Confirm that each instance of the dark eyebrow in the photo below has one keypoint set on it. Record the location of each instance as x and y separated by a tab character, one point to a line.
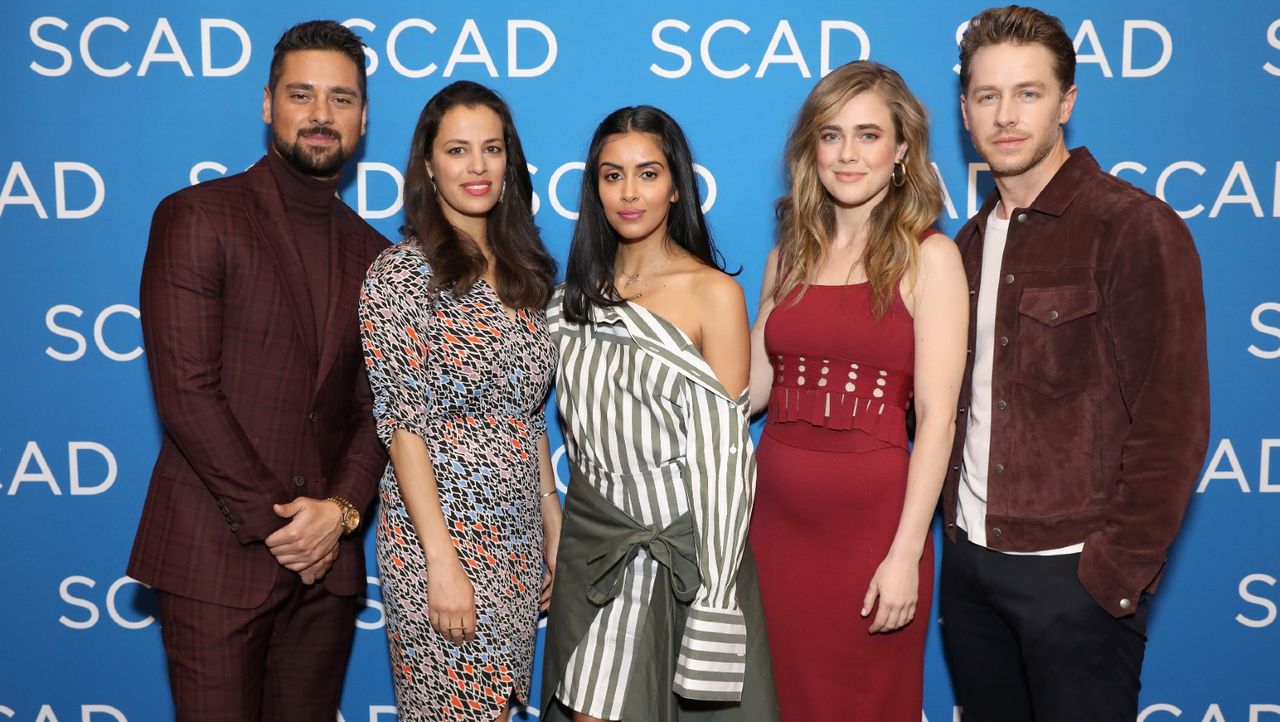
644	164
336	90
467	142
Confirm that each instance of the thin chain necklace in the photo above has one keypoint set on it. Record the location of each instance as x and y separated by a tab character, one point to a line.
640	277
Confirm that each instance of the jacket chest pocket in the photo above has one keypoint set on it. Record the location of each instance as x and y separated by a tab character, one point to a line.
1057	329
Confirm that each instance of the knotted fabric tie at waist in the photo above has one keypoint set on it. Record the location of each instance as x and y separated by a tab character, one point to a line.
672	547
618	537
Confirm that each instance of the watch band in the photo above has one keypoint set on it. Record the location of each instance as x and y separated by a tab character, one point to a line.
350	515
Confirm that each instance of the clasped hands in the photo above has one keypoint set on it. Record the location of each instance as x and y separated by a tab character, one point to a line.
308	544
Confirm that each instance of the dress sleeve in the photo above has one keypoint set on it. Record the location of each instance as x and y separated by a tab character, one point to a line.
537	423
538	419
722	475
393	324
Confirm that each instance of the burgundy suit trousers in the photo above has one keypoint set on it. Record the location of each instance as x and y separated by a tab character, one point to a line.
282	661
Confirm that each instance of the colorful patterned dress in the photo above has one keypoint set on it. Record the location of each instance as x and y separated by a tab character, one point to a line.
472	383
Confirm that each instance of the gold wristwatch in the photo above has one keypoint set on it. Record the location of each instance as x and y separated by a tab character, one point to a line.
350	514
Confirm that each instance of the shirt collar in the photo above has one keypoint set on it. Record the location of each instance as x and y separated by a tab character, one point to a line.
1056	197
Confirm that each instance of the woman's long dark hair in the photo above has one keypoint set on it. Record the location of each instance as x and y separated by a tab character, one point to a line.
523	269
589	275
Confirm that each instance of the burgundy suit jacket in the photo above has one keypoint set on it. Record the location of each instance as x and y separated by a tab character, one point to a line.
256	409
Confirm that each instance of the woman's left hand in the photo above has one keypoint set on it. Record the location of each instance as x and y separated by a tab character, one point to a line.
896	583
552	548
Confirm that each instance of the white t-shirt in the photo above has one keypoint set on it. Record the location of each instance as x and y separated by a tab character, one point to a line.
971	511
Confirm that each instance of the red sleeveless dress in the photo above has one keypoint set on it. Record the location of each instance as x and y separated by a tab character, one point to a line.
832	475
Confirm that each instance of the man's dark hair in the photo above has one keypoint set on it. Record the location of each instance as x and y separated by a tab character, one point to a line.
1016	25
319	35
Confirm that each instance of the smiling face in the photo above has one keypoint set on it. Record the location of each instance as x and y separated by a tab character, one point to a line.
635	185
316	112
468	162
856	149
1014	109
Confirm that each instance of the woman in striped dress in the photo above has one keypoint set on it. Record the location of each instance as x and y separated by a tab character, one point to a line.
655	613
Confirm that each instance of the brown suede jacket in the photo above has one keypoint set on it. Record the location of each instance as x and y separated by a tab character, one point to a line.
1100	388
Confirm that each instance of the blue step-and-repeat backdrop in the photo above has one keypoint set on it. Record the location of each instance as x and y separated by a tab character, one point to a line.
112	104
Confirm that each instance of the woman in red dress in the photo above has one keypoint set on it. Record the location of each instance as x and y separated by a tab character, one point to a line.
863	314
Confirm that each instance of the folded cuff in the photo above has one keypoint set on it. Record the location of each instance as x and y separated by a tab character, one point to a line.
713	655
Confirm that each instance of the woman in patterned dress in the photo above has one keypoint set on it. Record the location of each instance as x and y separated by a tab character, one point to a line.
459	358
655	614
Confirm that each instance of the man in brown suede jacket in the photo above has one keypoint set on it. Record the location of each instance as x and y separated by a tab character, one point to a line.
1084	414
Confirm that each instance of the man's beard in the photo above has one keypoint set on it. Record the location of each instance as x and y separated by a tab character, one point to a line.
317	162
1018	167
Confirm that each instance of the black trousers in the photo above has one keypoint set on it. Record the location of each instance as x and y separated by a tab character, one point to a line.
1026	643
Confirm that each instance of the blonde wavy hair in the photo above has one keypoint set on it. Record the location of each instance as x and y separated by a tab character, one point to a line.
806	214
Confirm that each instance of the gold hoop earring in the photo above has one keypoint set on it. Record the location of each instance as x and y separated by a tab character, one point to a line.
432	178
898	180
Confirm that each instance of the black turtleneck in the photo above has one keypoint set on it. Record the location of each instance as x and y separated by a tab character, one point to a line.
308	204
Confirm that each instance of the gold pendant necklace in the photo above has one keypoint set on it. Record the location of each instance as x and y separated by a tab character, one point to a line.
641	277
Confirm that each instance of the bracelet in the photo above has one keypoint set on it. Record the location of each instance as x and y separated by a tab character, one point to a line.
545	494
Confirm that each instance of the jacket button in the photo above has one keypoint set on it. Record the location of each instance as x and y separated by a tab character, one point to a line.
1001	403
1022	217
234	527
299	480
312	417
972	292
962	409
999	468
1004	340
996	531
1008	278
968	351
1053	315
1125	604
956	467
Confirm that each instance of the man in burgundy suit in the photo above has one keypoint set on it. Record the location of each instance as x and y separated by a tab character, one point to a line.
248	302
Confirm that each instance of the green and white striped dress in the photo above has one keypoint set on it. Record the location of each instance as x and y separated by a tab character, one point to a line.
655	433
